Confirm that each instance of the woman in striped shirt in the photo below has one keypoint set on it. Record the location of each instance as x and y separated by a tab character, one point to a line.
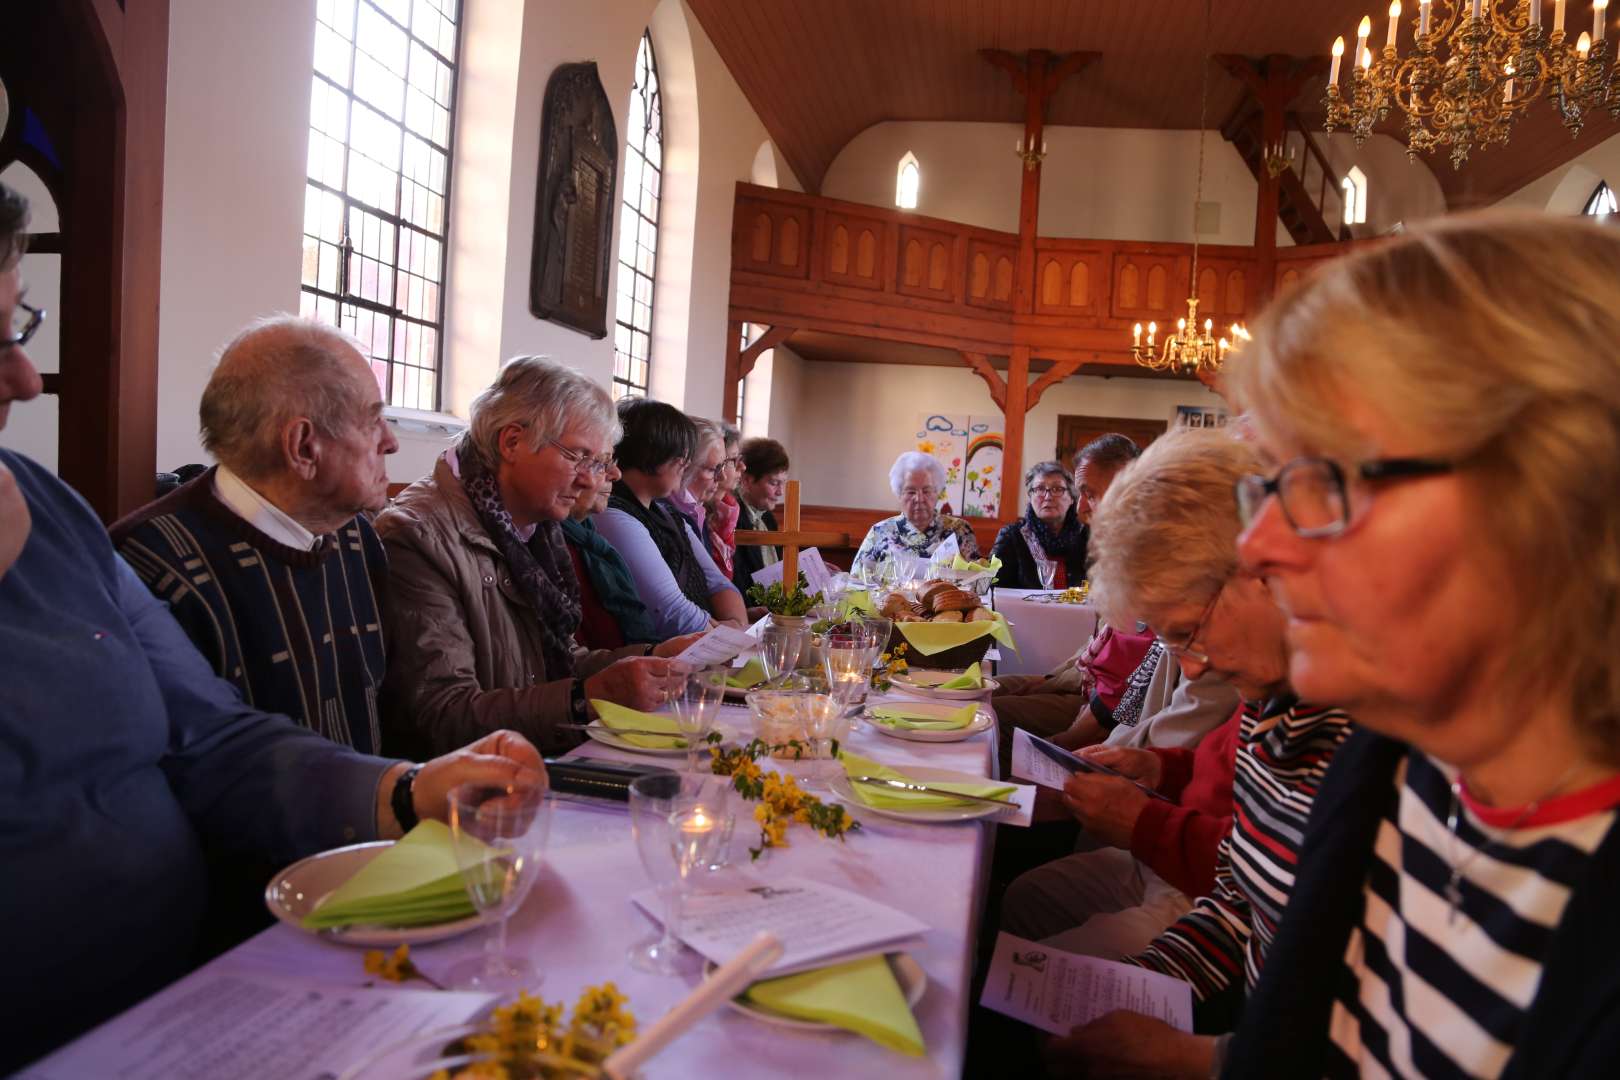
1165	550
1439	520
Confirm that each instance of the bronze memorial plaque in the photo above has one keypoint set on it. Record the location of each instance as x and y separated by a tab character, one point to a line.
573	221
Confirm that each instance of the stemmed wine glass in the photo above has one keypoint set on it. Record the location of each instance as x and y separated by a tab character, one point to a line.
826	722
779	648
499	836
696	707
1048	572
672	839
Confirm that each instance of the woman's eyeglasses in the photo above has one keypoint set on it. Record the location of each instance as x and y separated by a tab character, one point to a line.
584	462
1185	648
1312	492
31	319
1048	492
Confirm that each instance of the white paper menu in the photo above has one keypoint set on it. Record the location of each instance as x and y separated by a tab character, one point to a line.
811	564
817	924
222	1026
720	645
1058	991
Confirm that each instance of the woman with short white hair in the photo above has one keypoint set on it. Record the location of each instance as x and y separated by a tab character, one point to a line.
916	480
484	601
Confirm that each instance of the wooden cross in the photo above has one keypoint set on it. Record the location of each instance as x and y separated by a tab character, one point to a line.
792	538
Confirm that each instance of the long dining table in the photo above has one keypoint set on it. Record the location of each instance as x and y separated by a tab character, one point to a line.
578	921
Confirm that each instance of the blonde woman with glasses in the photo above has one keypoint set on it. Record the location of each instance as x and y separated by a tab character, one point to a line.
1438	518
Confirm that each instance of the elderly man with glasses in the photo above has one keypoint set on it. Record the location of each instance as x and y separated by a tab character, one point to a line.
484	602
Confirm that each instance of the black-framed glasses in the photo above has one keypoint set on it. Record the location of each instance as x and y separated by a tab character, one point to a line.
1054	492
14	337
1312	492
583	461
1186	648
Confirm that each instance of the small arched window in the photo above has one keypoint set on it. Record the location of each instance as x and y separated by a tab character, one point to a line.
1355	197
908	181
638	228
1602	203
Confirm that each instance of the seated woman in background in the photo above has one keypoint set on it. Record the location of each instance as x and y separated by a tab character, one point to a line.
919	528
1164	550
1046	549
611	614
483	598
683	590
760	488
690	499
722	507
1438	518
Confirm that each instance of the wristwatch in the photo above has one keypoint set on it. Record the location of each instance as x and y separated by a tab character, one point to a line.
576	701
402	803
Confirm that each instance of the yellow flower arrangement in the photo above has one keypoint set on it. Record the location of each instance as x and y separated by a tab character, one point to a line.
781	801
526	1040
395	968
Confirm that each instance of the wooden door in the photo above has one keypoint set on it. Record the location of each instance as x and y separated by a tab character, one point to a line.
1075	431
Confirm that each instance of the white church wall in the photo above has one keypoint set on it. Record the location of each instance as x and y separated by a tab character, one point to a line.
1566	189
853	420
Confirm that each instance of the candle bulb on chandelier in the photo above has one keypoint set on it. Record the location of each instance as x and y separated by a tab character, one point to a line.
1181	326
1474	11
1338	54
1209	324
1535	13
1366	59
1584	45
1394	23
1136	336
1423	19
1153	330
1558	16
1600	8
1363	32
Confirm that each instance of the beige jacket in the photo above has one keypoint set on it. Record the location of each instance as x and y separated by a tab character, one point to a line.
464	655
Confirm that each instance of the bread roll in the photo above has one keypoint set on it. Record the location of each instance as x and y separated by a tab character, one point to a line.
947	616
982	614
955	600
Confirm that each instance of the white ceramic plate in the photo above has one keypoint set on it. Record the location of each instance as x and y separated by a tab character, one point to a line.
981	722
609	739
907	972
295	891
967	812
924	682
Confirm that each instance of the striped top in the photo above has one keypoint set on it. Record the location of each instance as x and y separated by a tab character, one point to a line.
1283	752
296	632
1425	994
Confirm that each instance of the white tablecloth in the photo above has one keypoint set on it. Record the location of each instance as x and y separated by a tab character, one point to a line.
578	921
1047	633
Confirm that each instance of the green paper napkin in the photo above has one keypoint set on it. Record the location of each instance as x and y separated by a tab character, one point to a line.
898	716
894	799
971	679
859	600
618	716
747	677
929	638
993	565
415	882
862	996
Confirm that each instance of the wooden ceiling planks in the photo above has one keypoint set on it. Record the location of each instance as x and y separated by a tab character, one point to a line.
819	72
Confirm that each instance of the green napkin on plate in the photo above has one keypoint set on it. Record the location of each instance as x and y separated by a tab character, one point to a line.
862	996
913	719
971	679
618	716
747	677
416	882
888	798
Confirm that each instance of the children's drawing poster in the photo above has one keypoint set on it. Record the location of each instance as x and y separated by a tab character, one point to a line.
969	449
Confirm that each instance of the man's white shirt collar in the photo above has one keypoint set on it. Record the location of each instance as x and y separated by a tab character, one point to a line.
260	512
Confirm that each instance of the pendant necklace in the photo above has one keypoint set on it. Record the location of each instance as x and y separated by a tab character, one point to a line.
1453	884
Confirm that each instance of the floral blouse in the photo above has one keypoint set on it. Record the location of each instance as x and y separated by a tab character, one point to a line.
896	534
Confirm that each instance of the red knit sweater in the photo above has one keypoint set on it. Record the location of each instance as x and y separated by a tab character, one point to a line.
1178	842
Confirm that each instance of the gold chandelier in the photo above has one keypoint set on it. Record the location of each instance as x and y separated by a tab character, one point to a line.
1190	350
1476	65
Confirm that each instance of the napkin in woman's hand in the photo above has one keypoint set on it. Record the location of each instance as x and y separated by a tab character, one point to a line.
862	996
971	679
912	719
888	798
747	677
618	716
416	882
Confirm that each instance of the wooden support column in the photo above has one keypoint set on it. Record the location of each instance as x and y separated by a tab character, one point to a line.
1037	77
1273	83
741	361
980	363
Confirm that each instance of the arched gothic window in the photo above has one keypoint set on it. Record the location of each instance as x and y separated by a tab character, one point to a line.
638	228
908	181
1355	197
1602	203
